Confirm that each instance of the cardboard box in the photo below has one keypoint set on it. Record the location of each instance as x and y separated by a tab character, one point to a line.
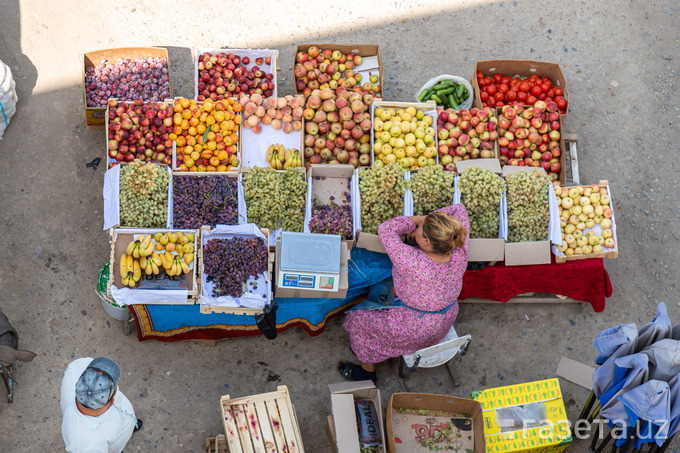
109	160
330	181
405	431
519	68
429	106
119	238
250	53
341	293
264	422
364	50
205	308
605	253
562	177
523	253
94	116
484	249
342	426
526	417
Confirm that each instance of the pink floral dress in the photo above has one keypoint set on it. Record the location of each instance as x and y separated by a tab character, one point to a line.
421	283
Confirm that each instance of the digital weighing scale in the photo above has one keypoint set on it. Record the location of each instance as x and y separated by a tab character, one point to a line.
310	261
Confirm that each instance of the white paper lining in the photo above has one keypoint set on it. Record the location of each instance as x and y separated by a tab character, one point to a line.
253	298
597	228
111	194
250	53
254	146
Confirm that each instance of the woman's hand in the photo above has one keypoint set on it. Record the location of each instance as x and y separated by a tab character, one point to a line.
418	220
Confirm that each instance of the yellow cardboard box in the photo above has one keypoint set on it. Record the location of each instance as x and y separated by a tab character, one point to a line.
527	417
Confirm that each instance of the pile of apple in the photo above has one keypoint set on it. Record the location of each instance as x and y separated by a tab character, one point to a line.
206	134
405	136
280	113
140	130
222	75
466	134
530	136
338	127
585	218
317	69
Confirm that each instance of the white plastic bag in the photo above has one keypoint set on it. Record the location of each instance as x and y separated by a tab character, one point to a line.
8	97
466	104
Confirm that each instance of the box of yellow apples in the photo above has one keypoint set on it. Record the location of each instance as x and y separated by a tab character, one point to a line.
157	265
587	222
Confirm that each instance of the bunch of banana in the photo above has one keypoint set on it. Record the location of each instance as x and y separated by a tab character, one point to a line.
276	156
293	160
140	247
130	270
173	264
151	264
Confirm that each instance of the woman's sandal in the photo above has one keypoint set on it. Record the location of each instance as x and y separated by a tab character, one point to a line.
353	372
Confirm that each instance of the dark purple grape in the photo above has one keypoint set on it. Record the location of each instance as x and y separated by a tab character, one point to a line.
204	200
228	263
332	218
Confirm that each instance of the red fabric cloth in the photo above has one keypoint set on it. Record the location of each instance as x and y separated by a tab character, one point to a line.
583	280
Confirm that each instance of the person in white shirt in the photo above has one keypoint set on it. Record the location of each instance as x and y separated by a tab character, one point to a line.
97	417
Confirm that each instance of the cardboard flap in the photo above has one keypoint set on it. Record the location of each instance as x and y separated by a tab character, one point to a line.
490	164
576	372
510	169
346	434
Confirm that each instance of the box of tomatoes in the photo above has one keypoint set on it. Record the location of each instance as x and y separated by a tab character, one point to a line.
508	82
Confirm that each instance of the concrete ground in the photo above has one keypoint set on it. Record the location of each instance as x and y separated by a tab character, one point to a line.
620	59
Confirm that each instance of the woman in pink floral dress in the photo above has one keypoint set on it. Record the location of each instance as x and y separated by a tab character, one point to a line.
427	281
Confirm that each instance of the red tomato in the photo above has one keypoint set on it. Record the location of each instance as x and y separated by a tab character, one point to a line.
491	89
536	90
558	91
548	99
533	78
541	96
561	103
480	75
547	80
531	100
521	96
488	80
503	88
499	104
516	81
551	93
497	78
499	96
545	87
484	96
524	86
506	80
511	95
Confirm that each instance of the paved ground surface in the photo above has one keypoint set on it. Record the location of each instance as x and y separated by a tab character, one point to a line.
620	59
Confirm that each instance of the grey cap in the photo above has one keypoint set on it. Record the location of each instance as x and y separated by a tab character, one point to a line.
95	389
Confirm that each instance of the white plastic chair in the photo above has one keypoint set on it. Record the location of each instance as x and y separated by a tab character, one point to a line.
439	354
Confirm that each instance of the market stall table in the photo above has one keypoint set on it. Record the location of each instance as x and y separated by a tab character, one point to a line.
498	283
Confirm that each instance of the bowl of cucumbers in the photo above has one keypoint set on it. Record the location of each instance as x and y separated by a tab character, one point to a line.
447	91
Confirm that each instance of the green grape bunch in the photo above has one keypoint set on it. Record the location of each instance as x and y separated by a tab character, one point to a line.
432	189
143	195
480	192
382	195
528	212
276	199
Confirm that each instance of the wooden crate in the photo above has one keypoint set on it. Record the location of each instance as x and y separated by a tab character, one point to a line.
95	116
608	253
207	309
217	444
119	238
259	423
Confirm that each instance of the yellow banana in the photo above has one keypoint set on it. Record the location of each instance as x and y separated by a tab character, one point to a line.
123	266
143	262
147	246
173	269
156	259
164	261
130	264
277	164
146	241
137	273
154	268
185	267
282	153
188	258
270	153
288	153
130	248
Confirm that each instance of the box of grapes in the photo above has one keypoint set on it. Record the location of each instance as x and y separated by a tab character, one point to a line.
329	201
204	199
